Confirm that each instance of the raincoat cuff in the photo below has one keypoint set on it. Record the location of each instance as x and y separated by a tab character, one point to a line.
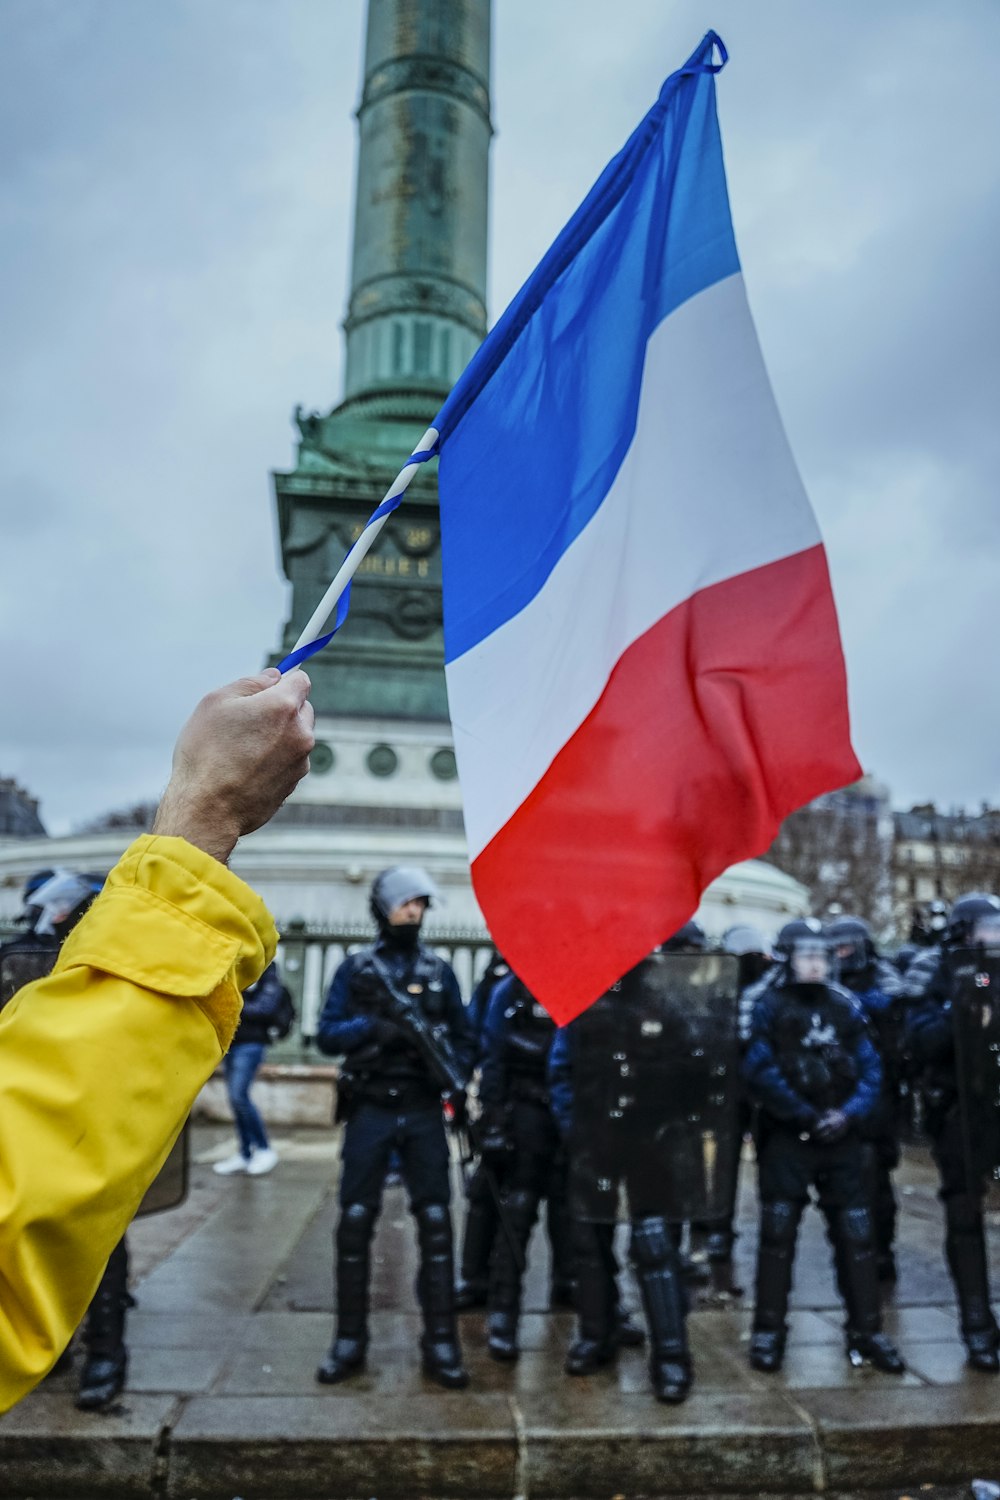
174	920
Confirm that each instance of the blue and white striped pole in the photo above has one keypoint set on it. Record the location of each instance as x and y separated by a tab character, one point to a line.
338	595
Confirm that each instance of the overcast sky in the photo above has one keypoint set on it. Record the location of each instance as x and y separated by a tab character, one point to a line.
176	181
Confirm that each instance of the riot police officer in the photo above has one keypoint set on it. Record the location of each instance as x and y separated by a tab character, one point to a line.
519	1132
54	902
753	956
813	1070
928	990
877	987
393	1012
643	1087
480	1207
32	953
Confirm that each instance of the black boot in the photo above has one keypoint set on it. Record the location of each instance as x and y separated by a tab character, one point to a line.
779	1224
596	1299
657	1267
560	1232
478	1239
102	1378
719	1249
853	1237
353	1254
442	1355
520	1211
966	1252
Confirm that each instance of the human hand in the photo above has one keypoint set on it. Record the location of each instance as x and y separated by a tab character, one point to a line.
240	754
831	1127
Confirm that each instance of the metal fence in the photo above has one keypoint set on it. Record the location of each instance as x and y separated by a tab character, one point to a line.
308	957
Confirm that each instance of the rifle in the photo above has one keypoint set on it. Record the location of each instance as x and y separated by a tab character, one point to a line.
432	1045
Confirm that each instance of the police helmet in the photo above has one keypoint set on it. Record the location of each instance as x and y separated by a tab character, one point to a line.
967	914
800	929
742	938
397	885
803	952
61	901
852	943
687	939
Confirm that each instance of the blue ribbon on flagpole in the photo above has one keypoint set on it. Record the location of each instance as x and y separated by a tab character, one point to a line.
296	658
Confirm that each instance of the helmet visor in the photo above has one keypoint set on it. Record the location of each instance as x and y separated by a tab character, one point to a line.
809	961
986	931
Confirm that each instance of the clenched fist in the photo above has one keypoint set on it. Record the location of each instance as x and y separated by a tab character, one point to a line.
242	752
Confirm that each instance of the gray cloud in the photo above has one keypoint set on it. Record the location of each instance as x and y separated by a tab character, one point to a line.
174	224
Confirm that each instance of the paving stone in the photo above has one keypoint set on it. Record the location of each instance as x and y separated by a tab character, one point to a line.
907	1438
914	1325
612	1444
944	1363
185	1372
269	1448
178	1329
827	1366
51	1451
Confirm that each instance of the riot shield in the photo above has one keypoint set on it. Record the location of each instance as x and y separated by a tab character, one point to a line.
656	1092
22	963
974	989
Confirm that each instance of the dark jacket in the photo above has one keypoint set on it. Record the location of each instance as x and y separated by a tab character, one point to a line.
560	1076
260	1003
810	1051
496	972
517	1038
929	1036
360	1023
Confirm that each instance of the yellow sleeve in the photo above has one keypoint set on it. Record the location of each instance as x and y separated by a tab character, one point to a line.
99	1065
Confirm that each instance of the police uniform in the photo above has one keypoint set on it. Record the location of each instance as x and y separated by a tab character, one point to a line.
813	1070
930	1037
391	1101
481	1222
877	987
626	1078
518	1128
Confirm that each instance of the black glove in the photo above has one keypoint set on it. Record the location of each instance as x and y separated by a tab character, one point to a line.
386	1033
831	1127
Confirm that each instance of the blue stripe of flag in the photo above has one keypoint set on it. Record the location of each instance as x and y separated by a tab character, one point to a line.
536	429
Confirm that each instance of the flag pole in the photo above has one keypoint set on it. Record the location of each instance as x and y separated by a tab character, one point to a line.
325	608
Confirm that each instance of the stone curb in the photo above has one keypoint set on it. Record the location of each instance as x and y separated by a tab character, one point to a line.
486	1447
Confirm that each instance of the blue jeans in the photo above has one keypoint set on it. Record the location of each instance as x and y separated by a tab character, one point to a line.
240	1065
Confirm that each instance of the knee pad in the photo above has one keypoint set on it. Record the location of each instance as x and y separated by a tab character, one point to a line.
652	1243
434	1227
855	1225
357	1221
779	1222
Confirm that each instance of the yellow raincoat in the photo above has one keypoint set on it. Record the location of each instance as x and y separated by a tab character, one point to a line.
99	1066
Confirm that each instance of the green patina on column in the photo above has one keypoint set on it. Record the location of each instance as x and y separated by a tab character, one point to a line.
416	314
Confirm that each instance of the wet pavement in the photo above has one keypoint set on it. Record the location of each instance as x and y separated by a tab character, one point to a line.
235	1311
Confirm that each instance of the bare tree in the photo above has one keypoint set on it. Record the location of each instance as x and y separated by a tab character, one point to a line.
842	856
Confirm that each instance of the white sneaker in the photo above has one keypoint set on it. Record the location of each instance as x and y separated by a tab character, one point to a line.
261	1162
232	1164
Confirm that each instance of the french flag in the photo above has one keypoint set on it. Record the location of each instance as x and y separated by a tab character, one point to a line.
643	659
